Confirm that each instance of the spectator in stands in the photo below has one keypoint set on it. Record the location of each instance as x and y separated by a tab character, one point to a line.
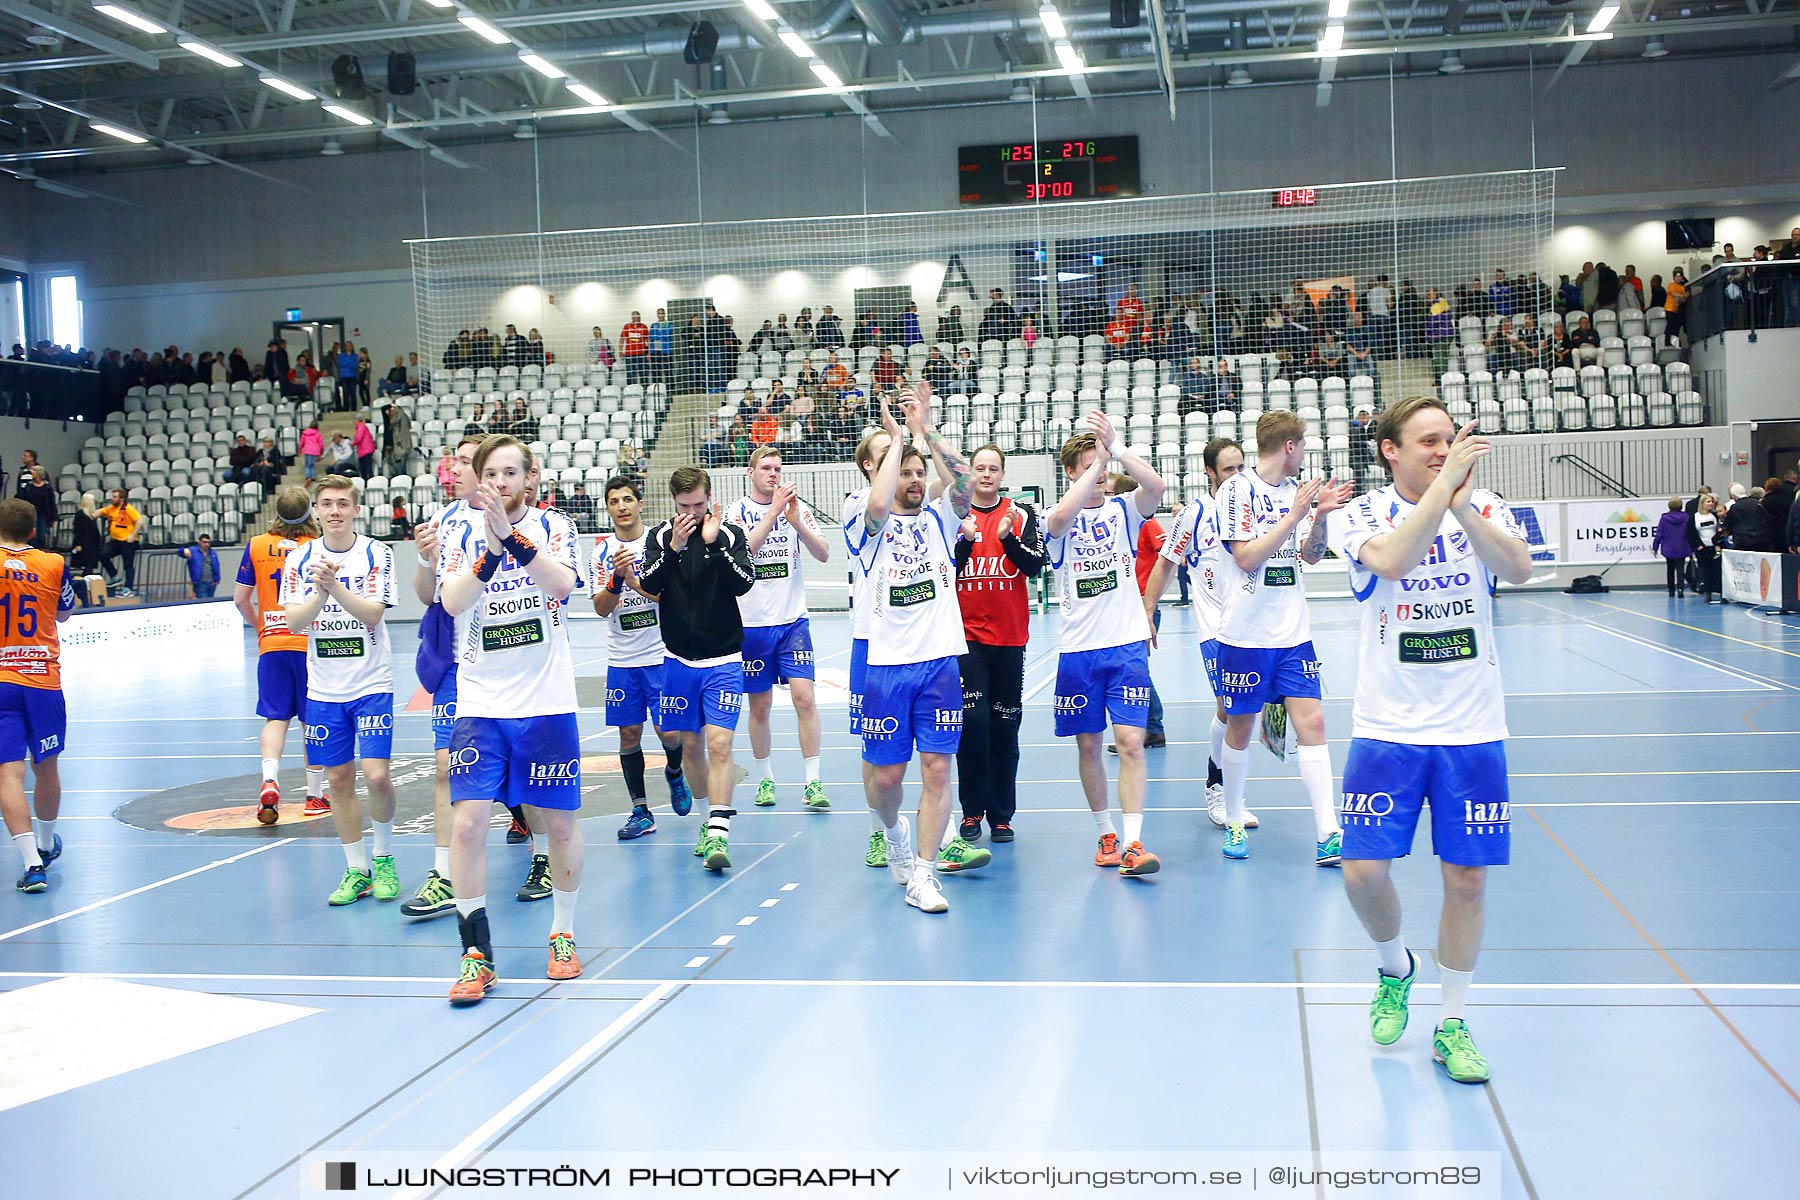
1362	442
1001	321
1568	295
1440	329
1606	287
662	350
634	350
1631	290
241	459
910	333
1705	536
18	352
713	442
203	368
807	378
764	427
345	362
950	326
600	349
783	341
84	555
35	490
1360	348
275	361
1118	337
1675	307
1328	355
830	331
203	568
524	426
1778	499
124	526
1670	540
363	441
580	507
1746	521
475	425
1412	321
394	382
535	354
1538	292
1502	348
397	438
415	378
342	456
298	384
267	468
868	333
1378	303
1530	344
778	398
1334	313
1500	295
764	338
963	373
886	372
804	336
512	348
803	406
446	473
1199	390
837	375
312	446
937	371
237	367
1584	342
695	367
365	374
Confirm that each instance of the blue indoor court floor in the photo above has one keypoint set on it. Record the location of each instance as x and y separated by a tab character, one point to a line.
183	1001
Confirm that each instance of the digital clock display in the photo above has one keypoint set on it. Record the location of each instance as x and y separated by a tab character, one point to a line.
1099	168
1295	197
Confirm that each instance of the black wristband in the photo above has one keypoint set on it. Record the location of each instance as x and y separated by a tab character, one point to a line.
521	550
486	566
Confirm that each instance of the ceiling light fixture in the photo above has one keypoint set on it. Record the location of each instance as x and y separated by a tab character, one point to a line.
124	135
1337	10
348	114
126	17
589	94
207	52
1070	58
1654	48
1239	78
1603	17
827	76
542	66
1052	22
331	149
761	8
484	29
1452	64
287	89
796	44
1332	40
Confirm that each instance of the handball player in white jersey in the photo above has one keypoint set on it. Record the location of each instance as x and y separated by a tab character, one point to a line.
869	452
1194	543
336	589
1429	723
1271	523
912	696
507	571
778	644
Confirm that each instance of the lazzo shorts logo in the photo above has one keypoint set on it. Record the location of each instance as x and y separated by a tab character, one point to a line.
444	712
317	733
465	758
730	700
1366	808
372	722
1071	704
880	726
674	703
554	772
1239	681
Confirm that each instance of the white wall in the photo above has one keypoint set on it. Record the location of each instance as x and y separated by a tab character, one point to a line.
57	444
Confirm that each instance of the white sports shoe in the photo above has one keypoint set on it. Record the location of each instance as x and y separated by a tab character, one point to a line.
923	892
900	853
1215	807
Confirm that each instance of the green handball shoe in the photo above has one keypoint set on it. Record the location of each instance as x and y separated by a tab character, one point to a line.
959	855
700	843
716	853
387	879
877	855
355	886
815	796
1452	1046
765	794
1387	1012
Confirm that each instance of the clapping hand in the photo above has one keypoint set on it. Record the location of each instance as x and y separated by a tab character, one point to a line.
709	529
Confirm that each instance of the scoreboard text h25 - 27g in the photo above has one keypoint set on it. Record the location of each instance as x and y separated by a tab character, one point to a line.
1058	169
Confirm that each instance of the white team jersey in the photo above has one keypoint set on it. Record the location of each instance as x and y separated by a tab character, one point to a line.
512	645
1096	578
636	624
910	565
778	597
1427	671
861	589
1266	610
448	513
1195	541
344	658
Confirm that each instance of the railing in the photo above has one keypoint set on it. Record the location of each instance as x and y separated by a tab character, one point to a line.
1744	295
29	389
1594	473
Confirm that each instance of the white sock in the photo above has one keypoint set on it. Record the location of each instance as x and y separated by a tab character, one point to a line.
716	820
384	838
876	824
1134	827
1455	986
535	851
357	855
27	844
1395	961
562	910
440	861
1235	764
315	781
764	770
1216	734
466	907
1315	773
1103	821
812	769
46	834
271	768
923	866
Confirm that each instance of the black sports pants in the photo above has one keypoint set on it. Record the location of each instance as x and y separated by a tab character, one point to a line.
987	763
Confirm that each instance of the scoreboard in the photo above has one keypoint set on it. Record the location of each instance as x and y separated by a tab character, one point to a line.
1090	168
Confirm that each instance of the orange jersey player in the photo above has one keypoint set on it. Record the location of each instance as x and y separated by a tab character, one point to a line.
281	653
34	596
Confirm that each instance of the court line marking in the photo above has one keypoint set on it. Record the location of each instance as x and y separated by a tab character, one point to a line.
594	1046
1630	612
138	891
1670	962
1696	659
1241	985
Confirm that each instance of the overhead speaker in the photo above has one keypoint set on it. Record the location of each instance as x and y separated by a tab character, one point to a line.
702	40
347	78
1127	14
402	74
